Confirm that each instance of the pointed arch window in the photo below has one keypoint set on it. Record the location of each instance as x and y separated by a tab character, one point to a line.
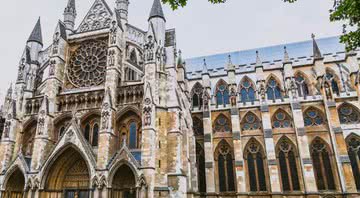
247	91
322	161
250	122
255	157
197	96
348	114
222	124
281	119
353	144
132	135
87	132
331	80
273	89
200	163
225	167
198	127
222	93
91	129
313	117
288	165
95	136
302	87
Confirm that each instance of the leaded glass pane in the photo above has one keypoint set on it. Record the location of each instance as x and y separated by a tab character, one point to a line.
261	172
95	140
222	176
252	174
132	138
284	172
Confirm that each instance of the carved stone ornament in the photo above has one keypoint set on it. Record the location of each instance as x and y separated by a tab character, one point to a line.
52	68
149	48
7	126
112	57
105	116
21	70
147	112
98	18
41	122
113	31
206	99
56	43
88	64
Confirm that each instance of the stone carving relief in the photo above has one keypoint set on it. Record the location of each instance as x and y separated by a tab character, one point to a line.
87	64
149	49
147	112
99	17
105	116
21	70
41	122
52	67
113	31
56	43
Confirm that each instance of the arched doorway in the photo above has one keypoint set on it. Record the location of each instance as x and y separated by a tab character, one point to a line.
124	183
68	176
15	185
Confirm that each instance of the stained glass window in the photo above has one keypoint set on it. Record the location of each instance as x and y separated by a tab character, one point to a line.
132	135
348	114
250	122
320	155
331	80
222	124
256	167
313	117
247	91
222	93
87	132
225	167
353	144
197	95
273	90
302	86
281	119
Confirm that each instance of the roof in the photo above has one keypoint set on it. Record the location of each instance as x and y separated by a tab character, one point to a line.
275	53
36	35
156	10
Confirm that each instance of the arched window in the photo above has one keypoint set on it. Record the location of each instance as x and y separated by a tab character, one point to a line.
133	57
302	87
313	117
247	91
200	162
222	93
198	127
353	144
273	89
87	132
132	135
322	161
250	122
225	164
348	114
91	129
61	131
222	124
197	93
95	135
288	165
331	80
255	157
281	119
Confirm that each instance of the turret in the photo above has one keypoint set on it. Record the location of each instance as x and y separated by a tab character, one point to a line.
157	22
70	15
35	42
123	7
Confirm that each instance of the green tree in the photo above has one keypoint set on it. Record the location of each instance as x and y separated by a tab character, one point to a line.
346	11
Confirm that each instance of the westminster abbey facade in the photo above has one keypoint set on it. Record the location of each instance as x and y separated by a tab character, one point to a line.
111	110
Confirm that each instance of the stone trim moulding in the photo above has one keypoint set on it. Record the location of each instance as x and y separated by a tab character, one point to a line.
264	108
272	162
236	135
234	111
239	163
331	104
296	105
337	130
206	114
268	133
301	131
307	161
208	164
207	138
344	159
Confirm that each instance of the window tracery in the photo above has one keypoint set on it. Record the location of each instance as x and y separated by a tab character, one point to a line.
353	144
322	162
255	166
288	165
281	119
273	89
222	93
313	117
200	162
247	91
348	114
91	130
198	126
88	63
331	81
197	96
302	87
250	122
222	124
225	167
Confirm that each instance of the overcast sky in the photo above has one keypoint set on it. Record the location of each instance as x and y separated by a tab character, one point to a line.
202	28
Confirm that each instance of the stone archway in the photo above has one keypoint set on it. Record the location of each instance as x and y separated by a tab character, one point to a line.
124	183
68	176
14	187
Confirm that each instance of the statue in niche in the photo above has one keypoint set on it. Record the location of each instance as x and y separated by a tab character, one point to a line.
233	97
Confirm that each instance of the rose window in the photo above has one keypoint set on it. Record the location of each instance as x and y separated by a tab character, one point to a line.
87	65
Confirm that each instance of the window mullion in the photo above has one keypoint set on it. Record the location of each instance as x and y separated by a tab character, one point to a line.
289	171
323	170
256	172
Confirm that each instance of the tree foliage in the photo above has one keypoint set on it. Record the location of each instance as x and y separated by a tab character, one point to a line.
345	11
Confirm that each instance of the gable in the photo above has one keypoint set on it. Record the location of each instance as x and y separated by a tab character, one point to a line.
98	17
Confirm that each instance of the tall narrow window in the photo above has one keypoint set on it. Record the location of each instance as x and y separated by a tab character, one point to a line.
273	90
132	135
225	167
353	143
348	114
198	127
288	165
313	117
302	86
321	158
87	132
197	93
330	79
250	122
281	119
222	124
255	166
200	162
222	93
247	91
95	136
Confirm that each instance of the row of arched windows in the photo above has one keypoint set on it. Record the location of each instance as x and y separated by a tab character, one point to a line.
287	161
247	89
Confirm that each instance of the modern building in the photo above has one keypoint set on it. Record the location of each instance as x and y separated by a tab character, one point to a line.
110	110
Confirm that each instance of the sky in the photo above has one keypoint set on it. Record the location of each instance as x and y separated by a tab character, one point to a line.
201	28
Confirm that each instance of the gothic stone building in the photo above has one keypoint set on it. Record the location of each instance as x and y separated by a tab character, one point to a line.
110	110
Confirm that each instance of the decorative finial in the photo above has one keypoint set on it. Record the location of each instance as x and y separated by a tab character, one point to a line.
258	60
286	55
316	50
205	69
313	36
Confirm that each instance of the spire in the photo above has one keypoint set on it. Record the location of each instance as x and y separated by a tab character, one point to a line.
286	55
70	14
205	69
316	50
36	35
258	60
230	64
71	6
9	92
156	10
